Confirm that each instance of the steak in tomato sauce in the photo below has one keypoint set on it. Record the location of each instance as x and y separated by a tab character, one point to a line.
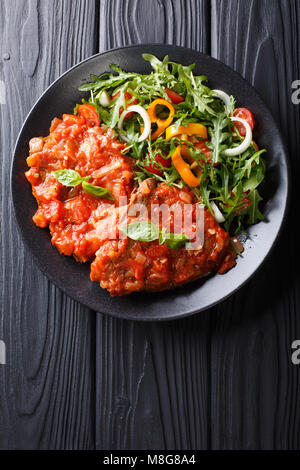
125	266
88	227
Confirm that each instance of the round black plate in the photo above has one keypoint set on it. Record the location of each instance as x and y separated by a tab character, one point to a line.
72	277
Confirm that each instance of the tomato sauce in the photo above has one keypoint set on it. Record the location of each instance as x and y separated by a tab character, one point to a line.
69	212
80	224
126	266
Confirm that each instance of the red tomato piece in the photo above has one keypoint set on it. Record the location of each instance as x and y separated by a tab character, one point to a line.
156	169
204	149
245	114
128	97
245	204
89	113
71	119
174	97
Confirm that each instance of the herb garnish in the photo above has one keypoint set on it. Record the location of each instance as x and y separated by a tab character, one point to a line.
148	232
72	178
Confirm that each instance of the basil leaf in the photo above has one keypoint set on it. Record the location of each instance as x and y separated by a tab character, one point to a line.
68	177
141	231
97	191
148	232
173	240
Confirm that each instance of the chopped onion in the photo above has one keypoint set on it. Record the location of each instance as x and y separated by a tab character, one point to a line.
224	97
246	142
105	99
217	213
135	108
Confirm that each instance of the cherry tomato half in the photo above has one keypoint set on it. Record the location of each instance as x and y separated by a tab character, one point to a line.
245	114
174	97
156	169
89	113
128	97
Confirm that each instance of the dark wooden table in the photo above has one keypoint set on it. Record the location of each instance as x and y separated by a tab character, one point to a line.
77	379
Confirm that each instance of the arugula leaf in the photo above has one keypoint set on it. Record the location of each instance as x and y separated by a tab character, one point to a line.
88	87
205	192
173	240
68	177
232	104
225	175
118	103
156	64
97	191
103	113
141	231
254	214
107	80
197	95
218	136
257	176
255	158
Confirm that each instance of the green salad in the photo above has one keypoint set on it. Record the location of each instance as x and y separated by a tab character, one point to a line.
183	133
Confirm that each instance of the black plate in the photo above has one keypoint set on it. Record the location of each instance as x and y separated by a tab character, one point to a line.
72	277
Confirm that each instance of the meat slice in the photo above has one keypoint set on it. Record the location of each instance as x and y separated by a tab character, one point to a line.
69	212
124	266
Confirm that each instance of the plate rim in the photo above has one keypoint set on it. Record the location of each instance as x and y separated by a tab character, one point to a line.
145	317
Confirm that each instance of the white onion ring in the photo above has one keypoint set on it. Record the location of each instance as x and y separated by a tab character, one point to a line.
217	213
246	142
135	108
224	97
105	99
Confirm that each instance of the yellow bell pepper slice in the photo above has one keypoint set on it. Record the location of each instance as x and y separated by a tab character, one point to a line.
184	169
161	123
193	128
255	146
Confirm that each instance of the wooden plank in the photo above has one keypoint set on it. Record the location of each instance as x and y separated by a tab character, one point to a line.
180	22
46	398
152	379
254	384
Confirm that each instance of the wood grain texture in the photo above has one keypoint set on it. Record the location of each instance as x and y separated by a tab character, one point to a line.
254	384
46	388
152	379
221	379
181	22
